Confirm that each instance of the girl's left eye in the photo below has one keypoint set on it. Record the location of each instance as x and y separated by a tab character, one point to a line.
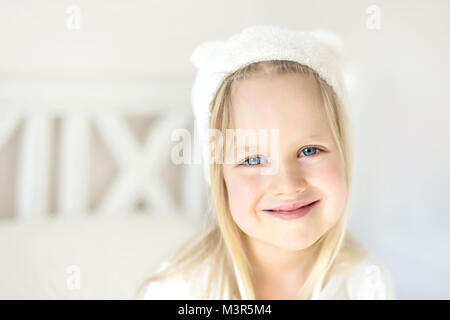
310	151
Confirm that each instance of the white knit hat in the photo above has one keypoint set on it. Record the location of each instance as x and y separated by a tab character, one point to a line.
318	49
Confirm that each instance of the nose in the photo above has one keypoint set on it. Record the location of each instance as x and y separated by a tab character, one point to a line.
288	179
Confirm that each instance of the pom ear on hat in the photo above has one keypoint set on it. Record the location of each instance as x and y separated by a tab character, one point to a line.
203	51
329	39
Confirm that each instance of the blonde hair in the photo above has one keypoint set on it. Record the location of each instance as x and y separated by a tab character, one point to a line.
222	245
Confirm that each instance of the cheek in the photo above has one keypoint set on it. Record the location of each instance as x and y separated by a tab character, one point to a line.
330	180
243	193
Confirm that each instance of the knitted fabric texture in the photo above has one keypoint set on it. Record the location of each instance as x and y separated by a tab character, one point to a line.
318	49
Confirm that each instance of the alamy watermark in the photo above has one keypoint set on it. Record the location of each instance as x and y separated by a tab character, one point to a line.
373	21
73	280
240	145
73	21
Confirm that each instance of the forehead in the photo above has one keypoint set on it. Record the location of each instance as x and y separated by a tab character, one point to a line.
288	102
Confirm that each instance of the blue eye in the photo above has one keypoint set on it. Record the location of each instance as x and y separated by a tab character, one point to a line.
252	162
310	151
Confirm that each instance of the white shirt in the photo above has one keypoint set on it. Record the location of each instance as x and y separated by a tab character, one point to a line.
370	279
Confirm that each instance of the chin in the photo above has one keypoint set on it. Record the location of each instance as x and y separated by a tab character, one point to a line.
296	243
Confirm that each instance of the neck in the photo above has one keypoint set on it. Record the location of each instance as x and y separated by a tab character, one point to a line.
277	270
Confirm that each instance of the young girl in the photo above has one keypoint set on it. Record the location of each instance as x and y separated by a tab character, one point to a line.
277	234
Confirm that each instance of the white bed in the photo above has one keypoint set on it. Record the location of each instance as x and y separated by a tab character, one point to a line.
86	258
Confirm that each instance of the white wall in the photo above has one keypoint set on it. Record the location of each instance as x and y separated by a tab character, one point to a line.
398	76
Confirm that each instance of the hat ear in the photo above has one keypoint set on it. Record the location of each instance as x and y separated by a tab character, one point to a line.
203	51
329	39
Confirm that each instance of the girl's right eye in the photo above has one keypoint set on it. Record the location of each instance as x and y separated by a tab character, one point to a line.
252	162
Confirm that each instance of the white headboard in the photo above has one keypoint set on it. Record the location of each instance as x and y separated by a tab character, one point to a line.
145	172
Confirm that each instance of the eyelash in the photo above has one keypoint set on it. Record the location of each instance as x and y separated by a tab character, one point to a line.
257	156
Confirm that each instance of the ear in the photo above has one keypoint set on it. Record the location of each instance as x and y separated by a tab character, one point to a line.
329	39
203	51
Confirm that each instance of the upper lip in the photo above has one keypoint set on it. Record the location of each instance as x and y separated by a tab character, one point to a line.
291	206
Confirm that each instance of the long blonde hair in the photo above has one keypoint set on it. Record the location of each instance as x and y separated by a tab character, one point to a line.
221	244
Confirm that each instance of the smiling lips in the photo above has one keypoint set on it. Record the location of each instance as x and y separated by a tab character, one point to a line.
294	214
290	207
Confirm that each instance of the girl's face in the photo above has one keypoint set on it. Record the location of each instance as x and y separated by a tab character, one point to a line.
309	166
